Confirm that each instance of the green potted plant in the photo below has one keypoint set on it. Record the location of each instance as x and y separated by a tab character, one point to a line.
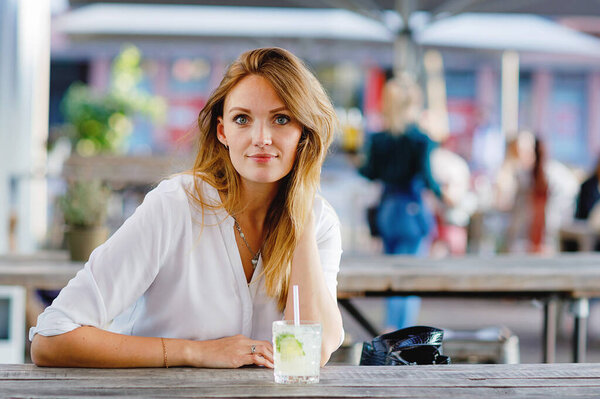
84	207
99	122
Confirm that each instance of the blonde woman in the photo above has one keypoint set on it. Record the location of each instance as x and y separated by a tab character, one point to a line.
204	266
400	158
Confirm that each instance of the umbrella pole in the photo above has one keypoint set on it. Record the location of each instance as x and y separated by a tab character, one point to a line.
406	50
510	93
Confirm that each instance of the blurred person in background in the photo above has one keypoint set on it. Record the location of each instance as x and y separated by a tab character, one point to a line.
589	194
519	159
588	203
400	158
487	151
515	170
545	199
452	173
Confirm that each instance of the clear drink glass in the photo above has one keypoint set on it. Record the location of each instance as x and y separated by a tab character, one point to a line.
297	352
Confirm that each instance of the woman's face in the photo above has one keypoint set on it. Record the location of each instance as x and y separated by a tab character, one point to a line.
259	130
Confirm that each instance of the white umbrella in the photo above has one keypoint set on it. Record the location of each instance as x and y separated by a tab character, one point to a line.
529	33
523	33
373	7
220	21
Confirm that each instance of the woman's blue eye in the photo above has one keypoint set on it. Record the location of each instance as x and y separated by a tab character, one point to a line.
282	119
241	119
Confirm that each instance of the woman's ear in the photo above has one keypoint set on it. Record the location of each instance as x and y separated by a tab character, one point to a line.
221	131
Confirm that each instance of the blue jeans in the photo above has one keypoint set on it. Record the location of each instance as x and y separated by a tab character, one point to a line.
403	311
406	234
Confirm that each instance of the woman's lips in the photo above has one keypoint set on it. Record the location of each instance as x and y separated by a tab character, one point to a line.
262	158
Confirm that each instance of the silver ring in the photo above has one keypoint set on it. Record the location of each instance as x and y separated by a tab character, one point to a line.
253	349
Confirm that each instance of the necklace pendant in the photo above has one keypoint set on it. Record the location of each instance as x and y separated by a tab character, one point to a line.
254	259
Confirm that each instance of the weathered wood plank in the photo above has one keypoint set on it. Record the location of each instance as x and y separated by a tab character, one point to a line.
195	376
309	391
531	369
468	381
482	370
505	374
160	383
55	278
560	273
125	170
51	270
578	273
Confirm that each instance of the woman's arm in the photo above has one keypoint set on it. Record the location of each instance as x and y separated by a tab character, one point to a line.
93	347
430	182
316	302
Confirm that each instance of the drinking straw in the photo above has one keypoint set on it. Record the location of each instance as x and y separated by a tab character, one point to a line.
296	306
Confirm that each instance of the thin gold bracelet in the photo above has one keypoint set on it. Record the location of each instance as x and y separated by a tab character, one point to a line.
162	340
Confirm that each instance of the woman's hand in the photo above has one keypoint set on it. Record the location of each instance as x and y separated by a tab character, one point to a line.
231	352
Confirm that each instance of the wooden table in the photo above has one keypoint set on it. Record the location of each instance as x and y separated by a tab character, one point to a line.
45	270
122	171
568	276
464	381
574	277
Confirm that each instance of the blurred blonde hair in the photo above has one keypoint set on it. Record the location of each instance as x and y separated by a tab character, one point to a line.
308	103
402	103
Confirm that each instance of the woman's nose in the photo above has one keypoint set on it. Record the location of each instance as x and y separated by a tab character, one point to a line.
261	136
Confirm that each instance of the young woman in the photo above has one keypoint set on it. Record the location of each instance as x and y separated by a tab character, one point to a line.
204	266
399	157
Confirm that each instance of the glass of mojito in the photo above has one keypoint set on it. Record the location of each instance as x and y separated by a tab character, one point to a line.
297	352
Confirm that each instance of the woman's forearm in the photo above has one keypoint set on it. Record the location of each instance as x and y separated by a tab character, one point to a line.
92	347
316	302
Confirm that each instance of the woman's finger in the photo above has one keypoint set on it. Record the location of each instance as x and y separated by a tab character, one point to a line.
268	345
268	348
262	361
265	349
266	353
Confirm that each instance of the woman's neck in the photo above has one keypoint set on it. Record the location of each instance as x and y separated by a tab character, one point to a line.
257	199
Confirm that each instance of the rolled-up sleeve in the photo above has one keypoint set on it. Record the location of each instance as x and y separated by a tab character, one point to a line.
116	275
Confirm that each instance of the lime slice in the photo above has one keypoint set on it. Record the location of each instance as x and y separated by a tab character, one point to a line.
288	346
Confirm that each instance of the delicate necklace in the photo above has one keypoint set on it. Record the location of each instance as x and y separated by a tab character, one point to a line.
254	259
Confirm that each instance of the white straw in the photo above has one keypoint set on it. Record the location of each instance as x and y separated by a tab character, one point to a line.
296	306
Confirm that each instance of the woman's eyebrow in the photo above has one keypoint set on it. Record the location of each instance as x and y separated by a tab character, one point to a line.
239	109
246	110
278	109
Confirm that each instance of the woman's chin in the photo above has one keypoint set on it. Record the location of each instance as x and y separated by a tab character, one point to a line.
262	179
264	176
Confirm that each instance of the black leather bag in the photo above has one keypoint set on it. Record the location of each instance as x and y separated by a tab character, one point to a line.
407	346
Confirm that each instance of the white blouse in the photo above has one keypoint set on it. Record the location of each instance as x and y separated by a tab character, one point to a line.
163	275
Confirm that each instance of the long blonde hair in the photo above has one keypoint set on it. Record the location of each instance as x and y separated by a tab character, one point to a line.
308	103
